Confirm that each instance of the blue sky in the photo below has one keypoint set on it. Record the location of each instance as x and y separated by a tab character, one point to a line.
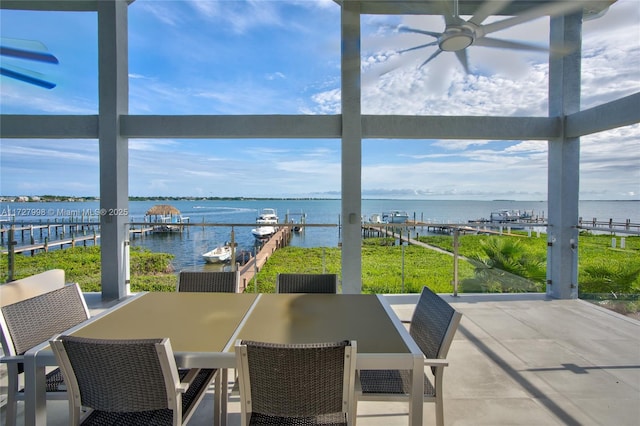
283	57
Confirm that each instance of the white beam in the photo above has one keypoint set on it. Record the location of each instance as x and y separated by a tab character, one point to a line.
231	126
49	126
351	149
564	163
287	126
621	112
113	86
447	127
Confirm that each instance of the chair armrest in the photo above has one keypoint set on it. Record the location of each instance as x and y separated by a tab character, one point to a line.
436	362
17	359
182	387
188	380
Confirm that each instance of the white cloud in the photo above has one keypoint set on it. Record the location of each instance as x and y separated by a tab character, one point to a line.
200	57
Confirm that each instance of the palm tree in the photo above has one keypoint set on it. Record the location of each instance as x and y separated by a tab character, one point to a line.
506	266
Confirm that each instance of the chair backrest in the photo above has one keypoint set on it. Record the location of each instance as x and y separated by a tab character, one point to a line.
32	286
307	283
433	324
208	281
118	375
298	380
35	320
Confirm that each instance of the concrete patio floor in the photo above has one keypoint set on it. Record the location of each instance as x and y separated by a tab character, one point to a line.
517	359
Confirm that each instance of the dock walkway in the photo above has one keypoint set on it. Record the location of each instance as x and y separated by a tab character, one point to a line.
46	245
247	271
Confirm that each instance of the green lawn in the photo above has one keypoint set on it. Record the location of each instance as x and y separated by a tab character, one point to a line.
496	264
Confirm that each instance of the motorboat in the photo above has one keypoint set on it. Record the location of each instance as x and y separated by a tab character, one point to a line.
266	221
375	218
263	232
506	216
267	216
219	254
395	216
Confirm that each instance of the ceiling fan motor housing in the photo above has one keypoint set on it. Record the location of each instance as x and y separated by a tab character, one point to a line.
456	38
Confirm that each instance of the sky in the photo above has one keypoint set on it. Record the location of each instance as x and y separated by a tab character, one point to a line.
283	57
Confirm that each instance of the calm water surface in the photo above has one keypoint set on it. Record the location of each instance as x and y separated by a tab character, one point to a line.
188	246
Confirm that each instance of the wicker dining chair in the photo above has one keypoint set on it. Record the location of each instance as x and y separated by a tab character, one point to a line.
307	283
30	322
297	384
208	281
128	382
433	325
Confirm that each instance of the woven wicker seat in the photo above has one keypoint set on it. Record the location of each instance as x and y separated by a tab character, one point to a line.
128	382
307	283
30	322
303	384
433	325
208	281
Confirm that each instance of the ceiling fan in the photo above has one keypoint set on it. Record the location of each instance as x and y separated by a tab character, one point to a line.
28	50
459	34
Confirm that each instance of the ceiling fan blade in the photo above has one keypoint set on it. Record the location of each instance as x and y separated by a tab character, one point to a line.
463	58
27	54
373	74
430	58
433	43
507	44
26	49
488	8
549	9
405	29
26	76
518	45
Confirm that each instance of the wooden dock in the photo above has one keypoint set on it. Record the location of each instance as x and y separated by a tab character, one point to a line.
54	234
45	229
405	229
46	245
247	271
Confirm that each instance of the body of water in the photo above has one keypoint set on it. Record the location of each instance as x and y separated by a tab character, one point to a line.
189	245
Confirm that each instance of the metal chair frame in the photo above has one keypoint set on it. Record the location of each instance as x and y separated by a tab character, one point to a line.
307	283
433	326
295	384
208	281
31	321
127	381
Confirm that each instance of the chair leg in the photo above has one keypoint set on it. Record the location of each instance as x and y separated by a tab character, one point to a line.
439	413
439	402
224	395
11	409
353	414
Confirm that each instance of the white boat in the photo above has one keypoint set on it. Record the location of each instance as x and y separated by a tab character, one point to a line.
506	216
395	216
219	254
266	222
375	218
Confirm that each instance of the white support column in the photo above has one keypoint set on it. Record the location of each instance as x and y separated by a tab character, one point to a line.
351	149
114	157
564	162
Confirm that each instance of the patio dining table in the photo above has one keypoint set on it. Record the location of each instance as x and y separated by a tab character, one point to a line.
203	328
